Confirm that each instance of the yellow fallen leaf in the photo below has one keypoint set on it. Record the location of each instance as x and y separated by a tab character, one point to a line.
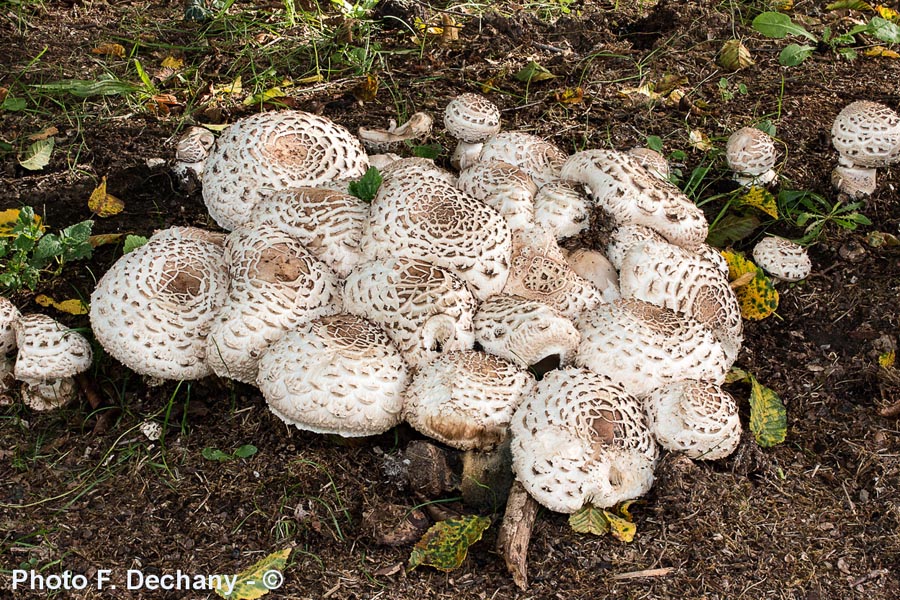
881	51
762	199
234	88
758	297
888	13
570	96
258	580
8	220
103	204
110	49
317	78
171	62
699	140
71	307
768	416
887	359
620	528
104	239
366	90
445	545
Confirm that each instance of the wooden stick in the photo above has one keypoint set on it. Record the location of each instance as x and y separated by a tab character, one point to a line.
644	573
515	533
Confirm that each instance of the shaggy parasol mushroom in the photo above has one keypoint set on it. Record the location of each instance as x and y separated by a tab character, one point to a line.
582	439
418	216
562	208
594	267
654	162
782	258
750	153
697	418
338	374
327	222
644	346
867	136
191	151
423	308
504	187
381	140
626	237
50	354
632	196
276	284
153	309
471	119
540	159
9	314
527	332
267	152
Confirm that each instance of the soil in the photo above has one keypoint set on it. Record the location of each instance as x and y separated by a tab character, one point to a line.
814	518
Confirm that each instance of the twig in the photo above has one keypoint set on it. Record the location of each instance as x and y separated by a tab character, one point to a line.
645	573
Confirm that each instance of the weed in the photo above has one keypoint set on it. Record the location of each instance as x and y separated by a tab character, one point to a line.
727	90
813	213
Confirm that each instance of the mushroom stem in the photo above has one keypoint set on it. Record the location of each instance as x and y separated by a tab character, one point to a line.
515	533
855	181
486	477
465	154
437	333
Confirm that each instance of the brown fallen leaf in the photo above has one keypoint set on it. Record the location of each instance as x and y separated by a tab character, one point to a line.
43	134
109	49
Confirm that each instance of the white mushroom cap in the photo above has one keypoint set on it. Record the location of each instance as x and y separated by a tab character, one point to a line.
697	418
327	222
191	151
581	439
644	347
504	187
424	309
655	163
267	152
153	309
867	134
626	237
276	284
782	258
419	169
466	399
380	161
751	154
380	140
597	270
48	350
669	276
471	118
524	331
9	314
540	159
632	196
562	208
337	374
425	218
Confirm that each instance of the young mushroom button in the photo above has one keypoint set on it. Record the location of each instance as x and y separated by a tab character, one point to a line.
750	153
782	258
471	119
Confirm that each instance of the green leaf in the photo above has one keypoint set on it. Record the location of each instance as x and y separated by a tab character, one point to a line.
13	104
445	545
48	247
366	186
794	54
215	454
884	30
766	126
132	242
264	576
849	4
534	72
768	417
145	79
589	520
37	156
777	25
245	451
431	151
731	228
85	88
655	143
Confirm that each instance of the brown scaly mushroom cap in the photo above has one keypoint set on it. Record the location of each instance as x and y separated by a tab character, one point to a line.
782	258
697	418
425	218
276	284
526	332
153	309
9	314
338	374
654	162
382	140
424	309
329	223
632	196
50	354
644	347
540	159
597	270
750	153
466	399
563	208
266	152
504	187
471	119
867	136
582	439
417	168
191	151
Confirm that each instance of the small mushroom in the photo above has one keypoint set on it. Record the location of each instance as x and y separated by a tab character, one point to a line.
337	374
471	119
867	136
750	153
655	163
261	154
540	159
504	187
582	439
381	140
594	267
562	208
697	418
782	258
50	354
191	151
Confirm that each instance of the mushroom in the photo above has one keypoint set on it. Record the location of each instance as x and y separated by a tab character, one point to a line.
540	159
626	237
336	374
643	346
867	136
697	418
654	162
782	258
594	267
276	285
267	152
582	439
750	153
153	308
50	354
9	314
381	140
527	332
504	187
423	308
471	119
417	168
418	216
539	271
191	152
562	208
631	195
327	222
381	161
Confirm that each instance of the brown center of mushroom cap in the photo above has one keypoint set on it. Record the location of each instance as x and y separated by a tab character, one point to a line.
349	333
602	423
286	149
185	281
280	264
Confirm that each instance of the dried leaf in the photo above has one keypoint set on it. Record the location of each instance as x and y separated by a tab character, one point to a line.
105	238
877	239
234	88
887	359
645	90
260	579
762	199
445	545
668	83
700	141
170	62
533	72
43	134
570	96
110	49
882	52
589	520
768	417
736	375
450	29
366	90
103	204
735	56
37	155
888	13
758	298
73	306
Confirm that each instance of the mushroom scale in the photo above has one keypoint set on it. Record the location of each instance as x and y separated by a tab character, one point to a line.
503	187
423	308
654	162
582	439
337	374
538	158
782	258
272	151
153	309
191	151
466	399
